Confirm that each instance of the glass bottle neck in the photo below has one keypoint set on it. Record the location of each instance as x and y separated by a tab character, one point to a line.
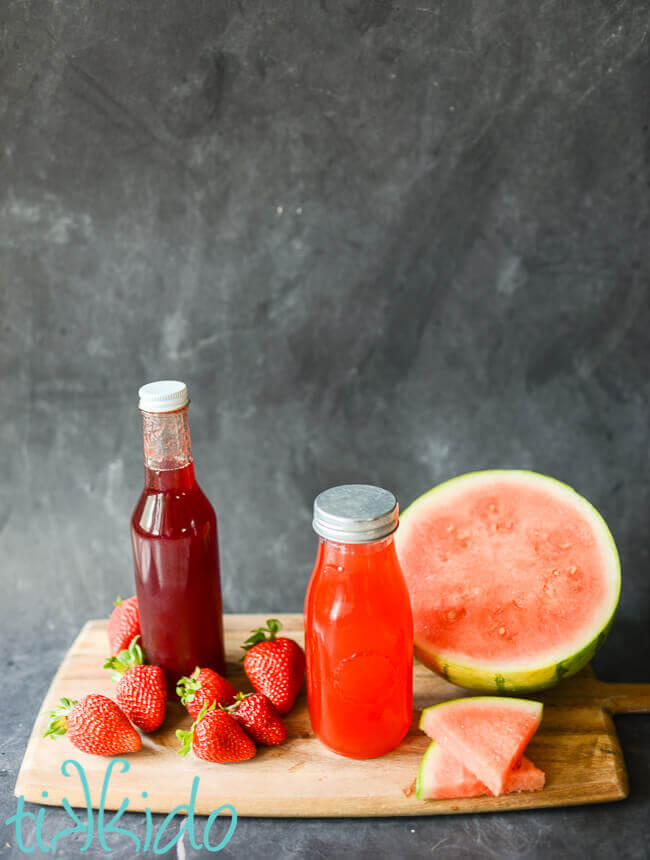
331	552
167	447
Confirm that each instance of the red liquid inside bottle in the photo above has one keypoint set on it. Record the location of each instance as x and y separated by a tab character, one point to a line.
175	552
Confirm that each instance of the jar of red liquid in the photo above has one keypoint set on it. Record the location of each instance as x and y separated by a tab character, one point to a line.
175	548
358	625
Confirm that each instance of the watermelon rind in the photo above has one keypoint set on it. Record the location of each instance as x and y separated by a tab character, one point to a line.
421	785
523	677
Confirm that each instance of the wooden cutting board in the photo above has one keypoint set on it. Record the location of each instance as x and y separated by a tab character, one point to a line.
576	746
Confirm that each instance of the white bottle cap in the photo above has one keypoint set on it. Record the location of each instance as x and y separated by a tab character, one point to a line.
167	395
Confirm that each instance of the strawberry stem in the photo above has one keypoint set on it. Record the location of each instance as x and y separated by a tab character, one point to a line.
125	660
187	738
188	687
58	723
239	698
273	627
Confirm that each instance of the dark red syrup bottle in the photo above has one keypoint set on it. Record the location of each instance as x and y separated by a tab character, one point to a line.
175	544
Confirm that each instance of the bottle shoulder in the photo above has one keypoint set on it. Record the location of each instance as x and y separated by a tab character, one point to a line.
178	512
357	585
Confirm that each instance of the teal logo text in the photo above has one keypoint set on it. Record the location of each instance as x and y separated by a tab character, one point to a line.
97	825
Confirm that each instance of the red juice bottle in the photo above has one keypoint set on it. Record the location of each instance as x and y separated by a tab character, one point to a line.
358	625
175	544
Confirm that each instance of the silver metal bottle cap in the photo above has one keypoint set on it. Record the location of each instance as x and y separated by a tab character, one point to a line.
355	513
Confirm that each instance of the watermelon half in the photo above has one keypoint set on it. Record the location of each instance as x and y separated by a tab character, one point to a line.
514	579
488	734
442	776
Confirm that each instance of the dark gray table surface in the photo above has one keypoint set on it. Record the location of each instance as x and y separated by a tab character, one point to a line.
617	830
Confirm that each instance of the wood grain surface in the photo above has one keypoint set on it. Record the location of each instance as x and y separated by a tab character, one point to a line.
576	746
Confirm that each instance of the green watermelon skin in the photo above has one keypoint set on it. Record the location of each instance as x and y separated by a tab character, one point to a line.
525	681
524	676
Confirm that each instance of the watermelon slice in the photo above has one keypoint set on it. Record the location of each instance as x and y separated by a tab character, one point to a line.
514	579
442	776
488	734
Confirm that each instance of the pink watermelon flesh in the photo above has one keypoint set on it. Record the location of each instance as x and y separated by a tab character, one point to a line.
506	571
487	733
442	776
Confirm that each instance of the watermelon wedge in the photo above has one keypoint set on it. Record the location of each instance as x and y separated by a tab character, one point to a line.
442	776
488	734
514	579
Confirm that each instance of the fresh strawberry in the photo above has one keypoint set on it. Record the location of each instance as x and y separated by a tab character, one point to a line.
123	624
216	736
203	687
260	718
94	725
141	691
275	667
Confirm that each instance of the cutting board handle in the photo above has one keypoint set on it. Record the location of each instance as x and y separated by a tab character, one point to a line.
627	698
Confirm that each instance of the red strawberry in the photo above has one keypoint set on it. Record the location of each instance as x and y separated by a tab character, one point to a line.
259	716
141	691
275	667
123	624
216	736
94	725
203	687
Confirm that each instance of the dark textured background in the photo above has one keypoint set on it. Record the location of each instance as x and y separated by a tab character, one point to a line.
386	243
